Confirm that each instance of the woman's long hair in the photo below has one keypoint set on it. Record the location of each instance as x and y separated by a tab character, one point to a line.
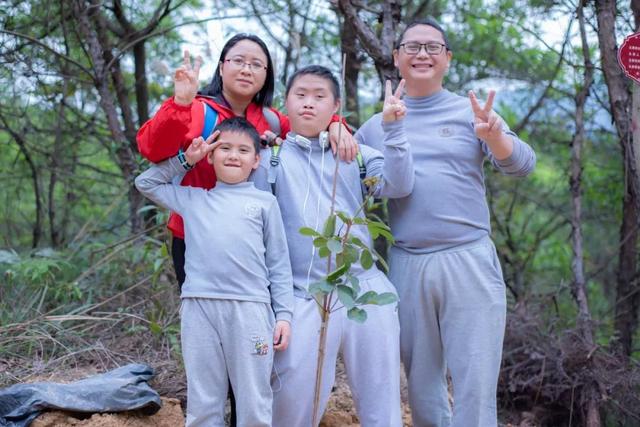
264	96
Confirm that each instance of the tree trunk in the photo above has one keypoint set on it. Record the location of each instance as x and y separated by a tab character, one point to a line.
627	295
124	154
35	179
54	165
142	93
579	289
352	71
379	47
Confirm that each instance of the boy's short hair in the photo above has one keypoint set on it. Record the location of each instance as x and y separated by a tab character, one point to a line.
240	125
429	21
316	70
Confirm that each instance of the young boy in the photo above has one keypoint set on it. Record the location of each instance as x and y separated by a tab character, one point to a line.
303	187
237	276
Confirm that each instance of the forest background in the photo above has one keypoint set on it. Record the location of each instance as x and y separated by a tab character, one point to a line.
86	276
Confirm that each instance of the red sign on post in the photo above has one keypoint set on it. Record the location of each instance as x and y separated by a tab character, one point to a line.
629	56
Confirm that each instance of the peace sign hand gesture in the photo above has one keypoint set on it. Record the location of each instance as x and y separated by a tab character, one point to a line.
185	80
393	108
199	148
487	123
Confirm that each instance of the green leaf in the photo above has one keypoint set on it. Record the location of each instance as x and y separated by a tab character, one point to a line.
334	246
324	252
335	274
387	235
345	295
359	220
355	284
386	298
343	217
319	242
381	260
367	298
329	226
357	314
366	260
358	242
351	254
307	231
321	287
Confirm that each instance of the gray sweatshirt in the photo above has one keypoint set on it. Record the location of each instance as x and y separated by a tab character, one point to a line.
235	242
303	189
448	204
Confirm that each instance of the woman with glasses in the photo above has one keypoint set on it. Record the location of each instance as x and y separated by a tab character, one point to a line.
242	85
444	265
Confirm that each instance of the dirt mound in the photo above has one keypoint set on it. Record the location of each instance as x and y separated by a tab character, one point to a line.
170	415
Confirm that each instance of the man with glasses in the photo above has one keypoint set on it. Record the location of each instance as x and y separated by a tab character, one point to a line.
444	265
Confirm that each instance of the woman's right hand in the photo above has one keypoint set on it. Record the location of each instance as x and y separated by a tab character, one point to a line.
185	80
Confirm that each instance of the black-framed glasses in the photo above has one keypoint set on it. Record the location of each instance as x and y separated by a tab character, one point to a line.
432	48
238	62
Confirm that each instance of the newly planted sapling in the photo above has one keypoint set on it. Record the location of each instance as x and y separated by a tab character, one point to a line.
340	288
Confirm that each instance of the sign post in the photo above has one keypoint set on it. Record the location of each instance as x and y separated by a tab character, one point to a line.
629	56
629	60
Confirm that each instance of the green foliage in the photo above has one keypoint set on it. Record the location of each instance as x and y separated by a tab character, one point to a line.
347	250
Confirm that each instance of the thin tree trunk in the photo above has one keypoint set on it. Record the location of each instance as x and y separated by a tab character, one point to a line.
54	163
584	320
352	71
35	179
142	92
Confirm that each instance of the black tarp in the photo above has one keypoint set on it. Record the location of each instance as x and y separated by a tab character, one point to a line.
122	389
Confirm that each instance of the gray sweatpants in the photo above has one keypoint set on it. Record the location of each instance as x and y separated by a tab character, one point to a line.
226	340
371	356
452	314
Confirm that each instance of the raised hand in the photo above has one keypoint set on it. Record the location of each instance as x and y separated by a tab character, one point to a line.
185	80
487	123
393	108
199	148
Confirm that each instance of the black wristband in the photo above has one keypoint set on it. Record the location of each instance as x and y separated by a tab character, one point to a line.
183	160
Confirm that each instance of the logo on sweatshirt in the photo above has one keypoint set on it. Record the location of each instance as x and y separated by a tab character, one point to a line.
252	210
445	132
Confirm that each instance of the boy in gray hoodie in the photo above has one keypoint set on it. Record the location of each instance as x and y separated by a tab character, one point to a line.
303	187
238	276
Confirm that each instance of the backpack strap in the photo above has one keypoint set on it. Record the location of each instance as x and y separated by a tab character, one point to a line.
362	168
210	119
273	120
273	167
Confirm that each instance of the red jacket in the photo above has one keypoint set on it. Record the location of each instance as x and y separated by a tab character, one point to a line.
175	126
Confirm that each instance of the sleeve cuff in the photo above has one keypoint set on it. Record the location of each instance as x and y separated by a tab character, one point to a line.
177	106
393	132
515	156
284	315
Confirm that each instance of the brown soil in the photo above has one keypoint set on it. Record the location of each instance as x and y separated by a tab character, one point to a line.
340	409
170	415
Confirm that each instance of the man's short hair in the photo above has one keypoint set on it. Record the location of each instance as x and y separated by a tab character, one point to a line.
431	22
240	125
316	70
